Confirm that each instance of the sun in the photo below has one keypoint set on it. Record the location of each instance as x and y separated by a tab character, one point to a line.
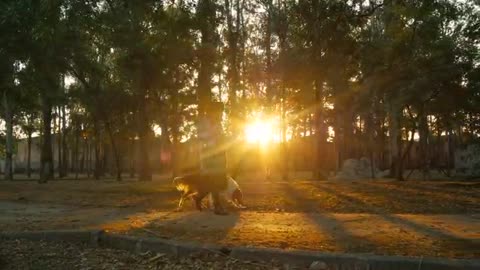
260	131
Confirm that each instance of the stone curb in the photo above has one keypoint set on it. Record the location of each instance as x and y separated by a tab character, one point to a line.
329	261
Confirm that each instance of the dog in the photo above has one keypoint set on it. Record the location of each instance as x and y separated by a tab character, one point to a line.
197	185
232	194
218	186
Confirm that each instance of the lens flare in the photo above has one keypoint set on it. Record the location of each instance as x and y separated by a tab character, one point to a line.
260	131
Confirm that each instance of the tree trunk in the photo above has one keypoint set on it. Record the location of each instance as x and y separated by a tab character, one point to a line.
97	165
83	159
106	168
370	132
88	163
175	154
282	37
29	154
233	76
132	158
64	144
145	173
9	137
206	11
450	157
175	136
338	141
395	141
58	133
382	142
285	167
268	55
268	79
423	133
75	162
115	152
348	148
305	125
320	132
46	160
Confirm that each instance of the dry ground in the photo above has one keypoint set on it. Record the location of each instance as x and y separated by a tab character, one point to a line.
440	219
22	254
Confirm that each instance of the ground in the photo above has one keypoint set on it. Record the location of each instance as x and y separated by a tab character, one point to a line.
385	217
22	254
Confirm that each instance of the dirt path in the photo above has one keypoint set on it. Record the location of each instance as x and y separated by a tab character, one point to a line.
418	219
456	236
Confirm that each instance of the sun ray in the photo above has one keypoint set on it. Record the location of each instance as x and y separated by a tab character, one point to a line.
260	130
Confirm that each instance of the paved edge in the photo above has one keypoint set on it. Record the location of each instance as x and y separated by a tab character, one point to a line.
330	261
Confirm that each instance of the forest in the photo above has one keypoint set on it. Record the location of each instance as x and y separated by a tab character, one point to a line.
364	78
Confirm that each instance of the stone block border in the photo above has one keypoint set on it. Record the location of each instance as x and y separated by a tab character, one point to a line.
328	261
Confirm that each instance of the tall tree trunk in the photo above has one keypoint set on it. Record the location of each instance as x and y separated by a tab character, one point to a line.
320	132
144	173
175	151
423	133
450	153
88	158
84	157
395	139
29	154
406	153
282	37
75	165
268	54
9	136
349	148
115	151
206	11
106	168
46	160
305	125
64	143
370	132
339	138
56	131
311	123
72	157
285	167
132	158
235	63
233	76
175	135
383	141
58	134
97	163
268	79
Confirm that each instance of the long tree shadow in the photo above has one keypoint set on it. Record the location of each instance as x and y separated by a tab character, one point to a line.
461	195
423	229
334	230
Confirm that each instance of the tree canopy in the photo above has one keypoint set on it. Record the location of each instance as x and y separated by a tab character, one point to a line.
368	76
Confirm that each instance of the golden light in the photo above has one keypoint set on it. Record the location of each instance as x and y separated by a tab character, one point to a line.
260	131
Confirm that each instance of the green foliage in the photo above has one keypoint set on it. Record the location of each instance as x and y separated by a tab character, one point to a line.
157	62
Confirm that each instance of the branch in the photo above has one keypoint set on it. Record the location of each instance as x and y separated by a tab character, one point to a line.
371	11
79	77
432	96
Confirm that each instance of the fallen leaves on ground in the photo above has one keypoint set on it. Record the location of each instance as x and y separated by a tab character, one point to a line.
33	255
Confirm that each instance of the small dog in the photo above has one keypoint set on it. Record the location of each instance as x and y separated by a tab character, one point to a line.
199	184
232	194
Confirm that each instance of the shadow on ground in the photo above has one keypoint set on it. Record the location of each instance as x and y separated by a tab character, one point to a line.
381	217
